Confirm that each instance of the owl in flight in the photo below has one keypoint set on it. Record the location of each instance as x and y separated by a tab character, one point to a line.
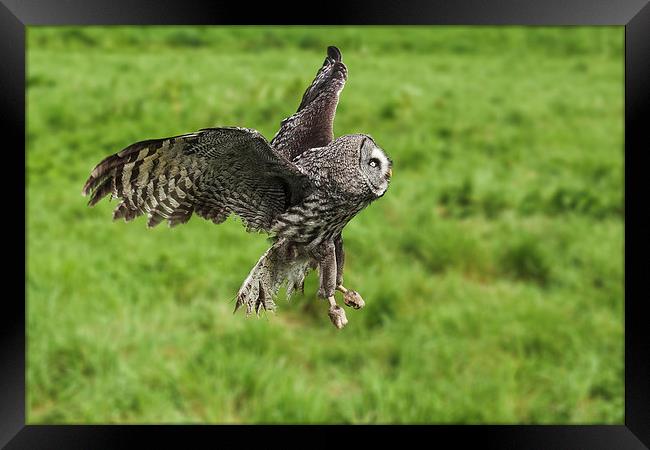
301	188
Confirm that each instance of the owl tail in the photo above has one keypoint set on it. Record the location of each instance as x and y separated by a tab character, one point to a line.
279	264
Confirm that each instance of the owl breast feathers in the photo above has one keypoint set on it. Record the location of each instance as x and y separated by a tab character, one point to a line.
302	187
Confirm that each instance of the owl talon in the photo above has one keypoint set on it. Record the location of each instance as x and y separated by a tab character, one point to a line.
337	314
256	298
351	298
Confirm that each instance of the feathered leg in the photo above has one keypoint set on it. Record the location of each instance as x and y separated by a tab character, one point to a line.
350	298
325	254
282	262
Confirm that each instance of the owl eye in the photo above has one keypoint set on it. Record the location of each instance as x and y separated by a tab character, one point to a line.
374	162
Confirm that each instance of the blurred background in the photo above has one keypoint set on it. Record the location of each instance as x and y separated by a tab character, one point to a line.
492	269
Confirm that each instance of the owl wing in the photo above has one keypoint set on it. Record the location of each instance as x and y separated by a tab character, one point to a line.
213	172
312	125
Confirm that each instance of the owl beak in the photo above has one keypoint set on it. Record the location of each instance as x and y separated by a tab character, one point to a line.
390	173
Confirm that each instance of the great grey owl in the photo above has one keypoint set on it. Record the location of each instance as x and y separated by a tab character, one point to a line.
302	188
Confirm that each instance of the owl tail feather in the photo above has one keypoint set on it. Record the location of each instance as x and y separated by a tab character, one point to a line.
279	264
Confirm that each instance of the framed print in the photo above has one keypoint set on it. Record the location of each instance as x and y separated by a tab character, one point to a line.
449	195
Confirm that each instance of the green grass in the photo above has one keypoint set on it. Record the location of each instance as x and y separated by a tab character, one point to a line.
492	269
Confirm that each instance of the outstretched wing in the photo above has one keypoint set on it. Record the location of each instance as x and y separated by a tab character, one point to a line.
213	172
312	125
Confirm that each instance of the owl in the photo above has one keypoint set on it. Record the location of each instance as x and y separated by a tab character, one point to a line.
301	188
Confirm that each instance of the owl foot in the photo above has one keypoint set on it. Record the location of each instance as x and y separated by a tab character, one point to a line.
337	314
351	298
256	298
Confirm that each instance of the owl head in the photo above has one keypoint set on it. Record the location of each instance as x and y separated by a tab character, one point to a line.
362	168
352	165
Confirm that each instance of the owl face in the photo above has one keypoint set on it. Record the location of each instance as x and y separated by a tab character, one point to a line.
375	166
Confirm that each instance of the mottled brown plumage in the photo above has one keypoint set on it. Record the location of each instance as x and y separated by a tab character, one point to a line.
213	172
302	188
312	124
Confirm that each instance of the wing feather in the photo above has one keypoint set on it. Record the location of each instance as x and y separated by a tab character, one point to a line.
312	124
213	173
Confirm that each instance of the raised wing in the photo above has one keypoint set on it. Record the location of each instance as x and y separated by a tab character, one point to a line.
213	172
312	125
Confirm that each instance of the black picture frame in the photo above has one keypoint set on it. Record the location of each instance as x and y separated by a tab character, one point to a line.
15	15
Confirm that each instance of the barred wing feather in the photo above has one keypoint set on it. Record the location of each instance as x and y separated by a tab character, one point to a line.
312	124
213	172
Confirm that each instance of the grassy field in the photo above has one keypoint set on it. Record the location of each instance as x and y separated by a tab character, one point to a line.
492	269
